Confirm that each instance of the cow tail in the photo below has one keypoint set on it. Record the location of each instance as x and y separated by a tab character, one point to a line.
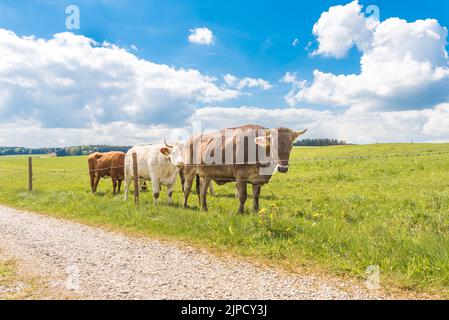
197	182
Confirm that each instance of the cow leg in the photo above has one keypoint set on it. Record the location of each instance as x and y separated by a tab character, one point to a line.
243	195
211	188
170	193
183	180
156	189
119	185
127	184
92	182
204	186
114	186
187	188
256	195
97	180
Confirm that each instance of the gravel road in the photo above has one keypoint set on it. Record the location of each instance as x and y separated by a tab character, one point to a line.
98	264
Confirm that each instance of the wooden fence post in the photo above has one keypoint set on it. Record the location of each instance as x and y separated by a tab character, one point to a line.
136	178
30	174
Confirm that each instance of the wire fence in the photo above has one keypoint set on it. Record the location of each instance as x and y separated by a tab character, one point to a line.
294	160
142	164
291	161
391	155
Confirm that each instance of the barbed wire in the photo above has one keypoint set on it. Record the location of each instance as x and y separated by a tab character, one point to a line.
265	163
391	155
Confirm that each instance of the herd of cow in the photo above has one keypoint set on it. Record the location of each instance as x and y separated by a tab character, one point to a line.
244	155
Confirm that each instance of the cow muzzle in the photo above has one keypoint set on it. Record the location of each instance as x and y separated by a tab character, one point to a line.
283	169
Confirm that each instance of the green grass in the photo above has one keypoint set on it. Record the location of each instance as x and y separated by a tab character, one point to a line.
331	211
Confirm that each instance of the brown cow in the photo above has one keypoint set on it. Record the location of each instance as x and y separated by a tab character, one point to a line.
246	164
109	164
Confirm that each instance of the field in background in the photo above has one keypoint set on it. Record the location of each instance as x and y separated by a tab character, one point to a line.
340	209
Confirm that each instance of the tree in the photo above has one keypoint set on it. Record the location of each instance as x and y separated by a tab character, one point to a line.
320	142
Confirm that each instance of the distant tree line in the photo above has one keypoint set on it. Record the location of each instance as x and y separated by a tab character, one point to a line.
85	150
320	142
62	152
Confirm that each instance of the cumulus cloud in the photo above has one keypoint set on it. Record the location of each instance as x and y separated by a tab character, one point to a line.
71	81
241	83
404	65
202	36
342	27
399	126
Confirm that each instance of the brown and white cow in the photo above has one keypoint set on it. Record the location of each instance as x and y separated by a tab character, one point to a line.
109	164
245	155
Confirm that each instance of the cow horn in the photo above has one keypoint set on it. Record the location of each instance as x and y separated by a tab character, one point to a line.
167	145
300	133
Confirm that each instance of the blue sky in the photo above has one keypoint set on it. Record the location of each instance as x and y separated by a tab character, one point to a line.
252	39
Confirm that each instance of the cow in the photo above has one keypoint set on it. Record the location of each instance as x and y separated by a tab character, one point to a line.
276	144
109	164
158	163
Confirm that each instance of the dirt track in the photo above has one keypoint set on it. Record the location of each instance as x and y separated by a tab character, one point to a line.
96	264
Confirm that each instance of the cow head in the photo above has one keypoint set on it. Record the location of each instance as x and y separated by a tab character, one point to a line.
279	142
174	153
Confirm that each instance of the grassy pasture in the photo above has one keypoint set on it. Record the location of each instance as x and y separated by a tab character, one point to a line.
339	209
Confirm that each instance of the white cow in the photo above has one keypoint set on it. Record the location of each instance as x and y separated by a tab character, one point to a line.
159	163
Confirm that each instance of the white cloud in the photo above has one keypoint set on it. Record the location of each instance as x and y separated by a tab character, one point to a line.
342	27
295	42
404	65
73	82
201	36
230	80
241	83
399	126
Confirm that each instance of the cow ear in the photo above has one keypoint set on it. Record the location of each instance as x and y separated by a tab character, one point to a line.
165	151
262	141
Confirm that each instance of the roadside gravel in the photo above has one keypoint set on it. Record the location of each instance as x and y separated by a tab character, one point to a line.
97	264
